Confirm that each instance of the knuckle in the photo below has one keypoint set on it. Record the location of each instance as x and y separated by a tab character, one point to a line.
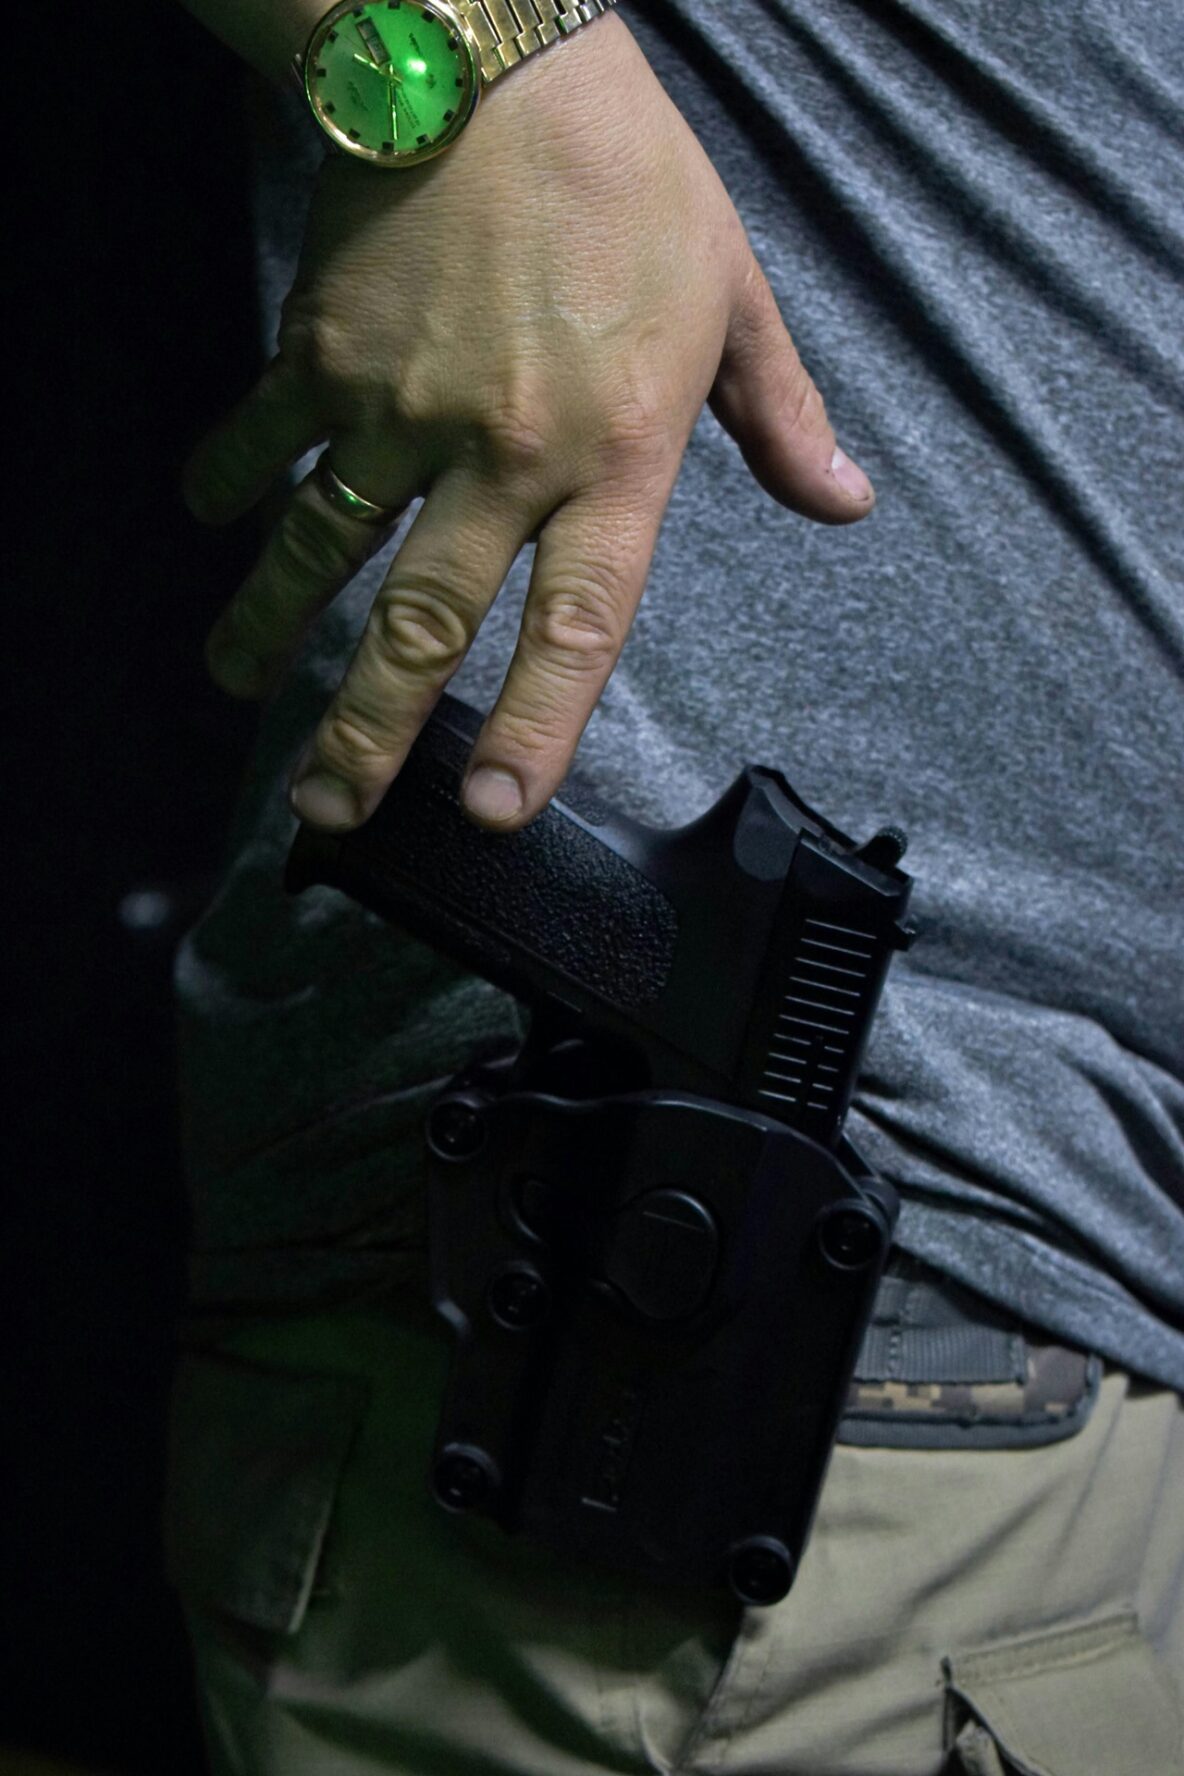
307	548
412	393
637	426
514	429
351	748
421	629
575	622
314	342
755	297
805	410
532	735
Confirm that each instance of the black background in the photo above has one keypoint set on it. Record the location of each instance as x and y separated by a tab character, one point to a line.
130	257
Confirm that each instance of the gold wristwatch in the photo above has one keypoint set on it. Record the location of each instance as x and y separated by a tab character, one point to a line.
394	82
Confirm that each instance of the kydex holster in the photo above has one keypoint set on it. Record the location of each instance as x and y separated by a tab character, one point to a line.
655	1249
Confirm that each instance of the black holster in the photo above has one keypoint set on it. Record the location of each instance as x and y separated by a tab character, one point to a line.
657	1303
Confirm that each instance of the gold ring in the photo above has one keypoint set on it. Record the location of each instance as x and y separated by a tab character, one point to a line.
344	499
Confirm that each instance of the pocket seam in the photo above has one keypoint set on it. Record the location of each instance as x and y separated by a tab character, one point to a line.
977	1685
1099	1636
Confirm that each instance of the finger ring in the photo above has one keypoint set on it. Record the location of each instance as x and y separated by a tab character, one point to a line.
344	499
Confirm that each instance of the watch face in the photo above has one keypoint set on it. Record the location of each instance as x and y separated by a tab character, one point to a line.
393	82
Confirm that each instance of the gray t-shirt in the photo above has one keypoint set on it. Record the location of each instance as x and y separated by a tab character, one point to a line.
973	220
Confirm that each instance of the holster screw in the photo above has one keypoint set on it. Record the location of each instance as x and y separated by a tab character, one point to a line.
461	1481
519	1298
760	1570
455	1130
851	1237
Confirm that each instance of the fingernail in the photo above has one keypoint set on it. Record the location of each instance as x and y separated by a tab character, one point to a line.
325	800
493	794
237	671
850	476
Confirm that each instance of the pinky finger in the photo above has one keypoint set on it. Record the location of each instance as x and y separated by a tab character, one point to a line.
233	466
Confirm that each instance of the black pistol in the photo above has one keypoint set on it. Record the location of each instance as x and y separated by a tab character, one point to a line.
655	1248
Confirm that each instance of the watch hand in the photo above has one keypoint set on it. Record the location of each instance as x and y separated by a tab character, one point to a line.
391	94
386	73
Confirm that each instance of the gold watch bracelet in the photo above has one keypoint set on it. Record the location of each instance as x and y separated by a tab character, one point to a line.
506	31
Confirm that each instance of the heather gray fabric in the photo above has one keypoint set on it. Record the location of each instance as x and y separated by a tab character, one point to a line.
973	218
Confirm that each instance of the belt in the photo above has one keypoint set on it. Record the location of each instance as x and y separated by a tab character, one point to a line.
941	1368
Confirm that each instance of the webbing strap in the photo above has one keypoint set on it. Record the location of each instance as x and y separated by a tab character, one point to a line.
924	1328
940	1368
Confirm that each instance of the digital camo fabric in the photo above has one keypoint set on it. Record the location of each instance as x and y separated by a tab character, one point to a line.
1049	1398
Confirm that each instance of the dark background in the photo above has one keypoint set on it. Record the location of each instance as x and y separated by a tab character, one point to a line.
130	251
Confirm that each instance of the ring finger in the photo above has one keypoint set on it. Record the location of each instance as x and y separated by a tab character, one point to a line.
315	549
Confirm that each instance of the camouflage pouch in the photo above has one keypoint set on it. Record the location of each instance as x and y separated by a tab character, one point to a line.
940	1368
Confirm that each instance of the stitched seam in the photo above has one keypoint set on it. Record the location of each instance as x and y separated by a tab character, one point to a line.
742	1718
724	1695
1000	1663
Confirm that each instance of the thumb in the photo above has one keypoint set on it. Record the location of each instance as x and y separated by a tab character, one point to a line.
763	396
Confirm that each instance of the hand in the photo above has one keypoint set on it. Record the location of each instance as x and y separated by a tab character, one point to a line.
524	331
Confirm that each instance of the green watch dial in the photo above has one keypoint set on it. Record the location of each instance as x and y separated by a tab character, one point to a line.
393	82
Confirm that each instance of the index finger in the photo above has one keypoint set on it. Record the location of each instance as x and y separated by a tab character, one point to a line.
589	573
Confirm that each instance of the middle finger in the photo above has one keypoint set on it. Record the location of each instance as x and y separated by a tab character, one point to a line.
450	568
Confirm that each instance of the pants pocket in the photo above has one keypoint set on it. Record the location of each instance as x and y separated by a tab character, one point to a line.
341	1621
255	1457
1090	1699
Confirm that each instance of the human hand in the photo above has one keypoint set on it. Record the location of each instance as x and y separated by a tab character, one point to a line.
524	330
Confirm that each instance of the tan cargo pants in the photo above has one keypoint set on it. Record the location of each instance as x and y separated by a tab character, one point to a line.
973	1611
